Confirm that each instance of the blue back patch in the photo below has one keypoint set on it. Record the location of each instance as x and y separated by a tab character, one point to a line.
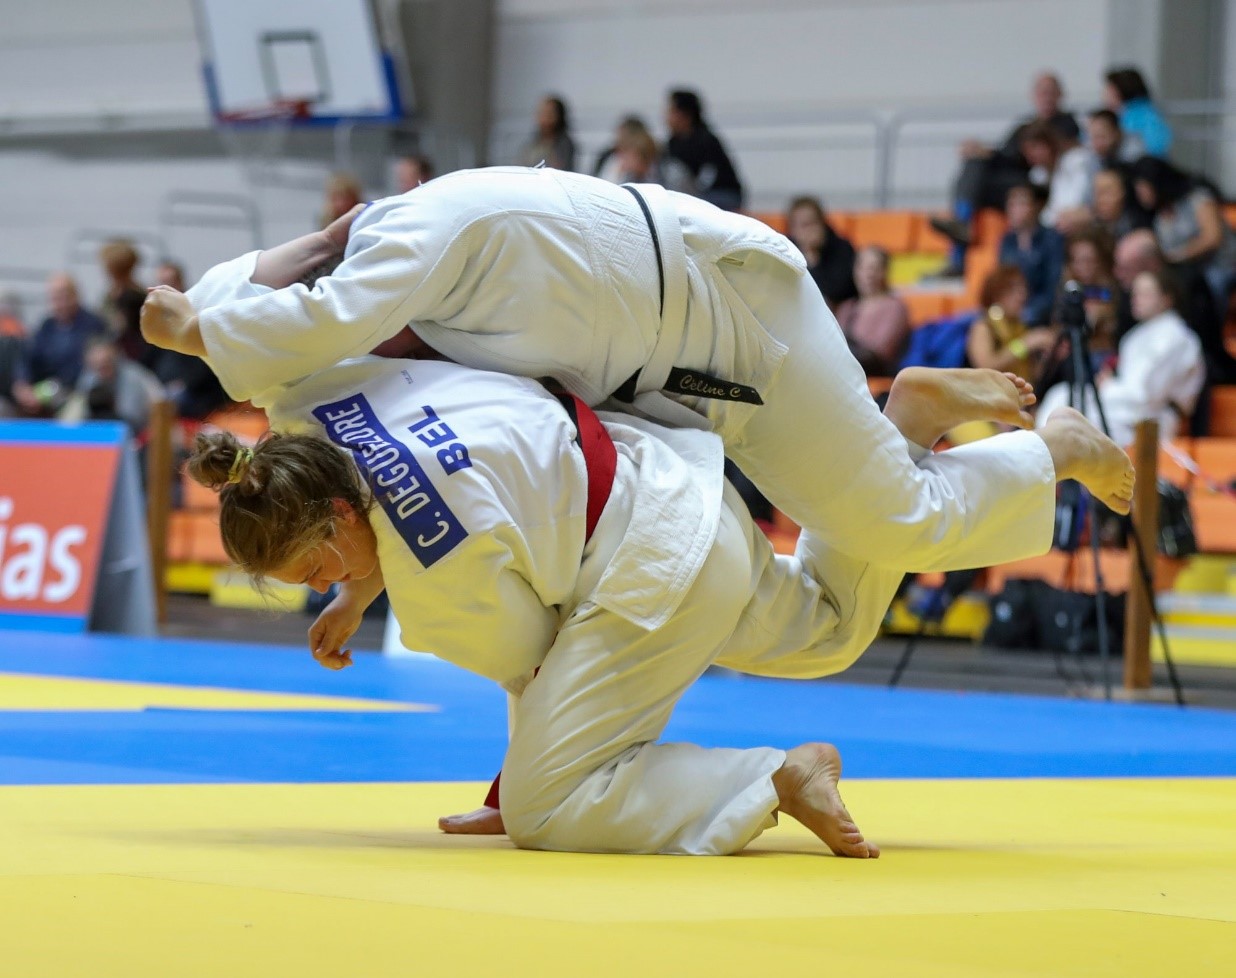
400	485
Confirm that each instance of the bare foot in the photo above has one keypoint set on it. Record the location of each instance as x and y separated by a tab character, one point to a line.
926	403
1080	451
482	821
806	786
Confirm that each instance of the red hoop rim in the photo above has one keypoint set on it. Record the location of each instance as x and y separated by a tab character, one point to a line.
284	108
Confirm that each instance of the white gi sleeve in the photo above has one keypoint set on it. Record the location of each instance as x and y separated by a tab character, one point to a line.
479	610
384	281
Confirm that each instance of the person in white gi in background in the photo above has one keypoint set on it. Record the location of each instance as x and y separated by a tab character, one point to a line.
1160	371
678	310
479	534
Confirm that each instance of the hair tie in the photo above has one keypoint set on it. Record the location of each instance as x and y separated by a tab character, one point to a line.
239	466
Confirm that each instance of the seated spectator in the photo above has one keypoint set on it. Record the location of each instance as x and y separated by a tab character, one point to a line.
122	303
187	381
1037	250
12	351
1160	370
343	192
112	388
607	166
697	147
1063	167
551	141
1138	252
1115	209
1146	132
830	257
988	172
999	338
1189	225
637	160
1105	140
411	171
876	324
54	356
1090	263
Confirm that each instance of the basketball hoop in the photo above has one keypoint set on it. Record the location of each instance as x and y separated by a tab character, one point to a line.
280	110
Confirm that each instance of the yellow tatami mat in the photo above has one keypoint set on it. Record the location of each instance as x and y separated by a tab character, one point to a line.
979	879
22	692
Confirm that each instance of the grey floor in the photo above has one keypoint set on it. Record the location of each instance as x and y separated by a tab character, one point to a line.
936	664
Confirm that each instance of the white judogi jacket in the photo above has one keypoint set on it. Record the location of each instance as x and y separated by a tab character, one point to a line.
481	497
534	272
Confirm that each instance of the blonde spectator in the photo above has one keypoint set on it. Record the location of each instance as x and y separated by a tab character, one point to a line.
343	192
876	323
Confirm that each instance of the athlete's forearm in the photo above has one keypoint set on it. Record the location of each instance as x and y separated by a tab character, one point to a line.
302	259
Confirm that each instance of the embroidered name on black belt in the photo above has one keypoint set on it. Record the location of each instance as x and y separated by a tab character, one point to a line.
699	384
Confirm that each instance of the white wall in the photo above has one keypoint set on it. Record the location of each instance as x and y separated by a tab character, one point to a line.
797	64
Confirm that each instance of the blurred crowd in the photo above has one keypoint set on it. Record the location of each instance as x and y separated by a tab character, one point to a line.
1089	199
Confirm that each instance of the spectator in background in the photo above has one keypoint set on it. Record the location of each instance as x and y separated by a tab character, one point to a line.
122	303
54	356
1160	370
1146	132
1189	225
1064	168
1037	250
112	388
1138	252
12	350
830	257
551	141
607	166
343	192
988	172
1106	141
698	148
876	324
999	338
636	160
186	381
411	171
1090	263
1114	209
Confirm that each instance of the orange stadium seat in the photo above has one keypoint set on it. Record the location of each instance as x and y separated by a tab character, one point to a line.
774	219
843	223
1214	513
891	230
979	264
1223	411
927	240
924	307
988	228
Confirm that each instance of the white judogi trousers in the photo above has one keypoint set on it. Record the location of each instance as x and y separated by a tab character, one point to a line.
584	770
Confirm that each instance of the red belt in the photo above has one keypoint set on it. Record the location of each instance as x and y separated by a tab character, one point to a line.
601	461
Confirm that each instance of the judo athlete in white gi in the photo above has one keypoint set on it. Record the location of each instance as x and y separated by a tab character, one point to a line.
470	501
652	301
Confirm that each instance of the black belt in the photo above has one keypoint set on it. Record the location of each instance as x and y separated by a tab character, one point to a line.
690	382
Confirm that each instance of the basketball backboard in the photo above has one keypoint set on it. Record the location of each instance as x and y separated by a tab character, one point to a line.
308	61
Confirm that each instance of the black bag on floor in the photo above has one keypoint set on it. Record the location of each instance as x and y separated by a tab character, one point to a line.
1013	624
1067	621
1031	614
